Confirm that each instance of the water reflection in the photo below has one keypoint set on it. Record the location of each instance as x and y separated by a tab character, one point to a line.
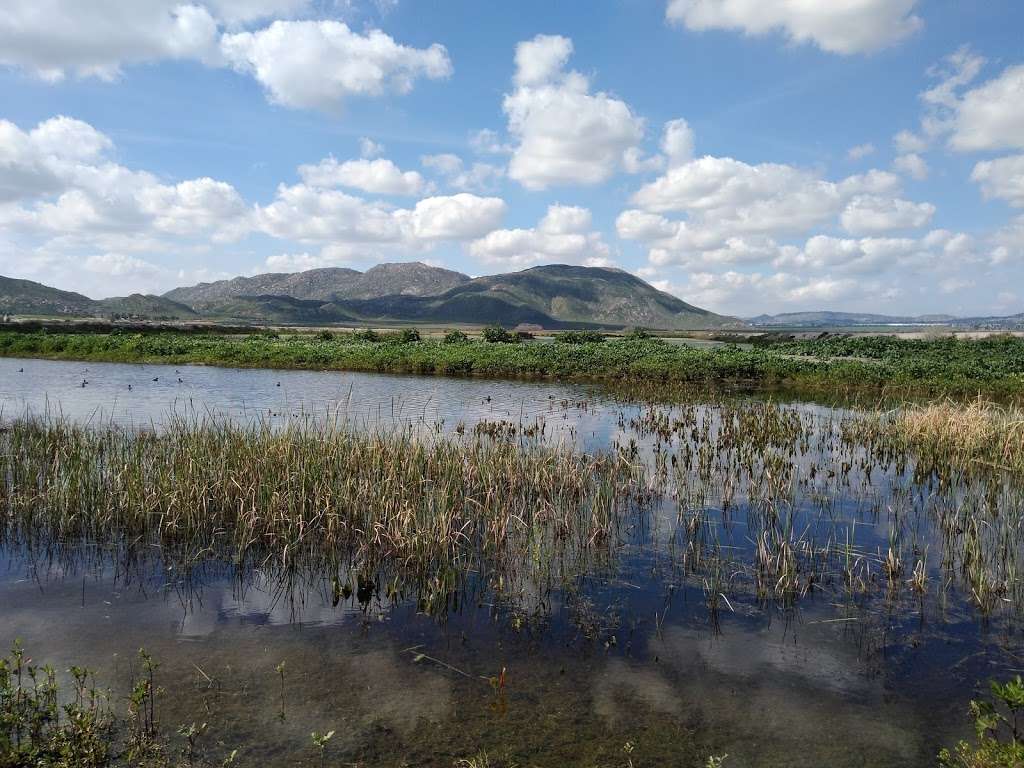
671	643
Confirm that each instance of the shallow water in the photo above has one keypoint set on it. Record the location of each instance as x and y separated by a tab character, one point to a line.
41	386
625	665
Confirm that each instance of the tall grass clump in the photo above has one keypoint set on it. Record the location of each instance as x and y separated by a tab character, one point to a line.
978	432
309	491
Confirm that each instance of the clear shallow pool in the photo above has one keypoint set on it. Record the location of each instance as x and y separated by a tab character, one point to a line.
626	662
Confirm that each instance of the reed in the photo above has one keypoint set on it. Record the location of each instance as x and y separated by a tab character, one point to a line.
313	492
979	432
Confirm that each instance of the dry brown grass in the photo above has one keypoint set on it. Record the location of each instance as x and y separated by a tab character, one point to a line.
980	432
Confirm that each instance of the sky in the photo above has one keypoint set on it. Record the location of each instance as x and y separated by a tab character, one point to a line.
747	156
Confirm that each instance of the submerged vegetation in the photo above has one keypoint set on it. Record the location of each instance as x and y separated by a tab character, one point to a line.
746	507
758	501
994	365
314	493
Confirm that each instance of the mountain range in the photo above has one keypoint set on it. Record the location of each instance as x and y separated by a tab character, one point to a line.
826	319
553	296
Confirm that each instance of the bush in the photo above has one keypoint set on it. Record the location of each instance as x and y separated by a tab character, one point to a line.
639	333
996	727
495	334
455	336
580	337
325	336
408	335
367	334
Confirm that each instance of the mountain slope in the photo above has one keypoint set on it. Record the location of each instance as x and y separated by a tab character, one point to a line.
556	296
552	296
327	284
595	295
142	305
25	297
274	309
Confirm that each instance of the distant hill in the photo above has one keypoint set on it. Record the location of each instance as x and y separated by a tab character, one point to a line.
842	319
25	297
274	309
411	279
551	296
998	322
825	320
555	296
140	305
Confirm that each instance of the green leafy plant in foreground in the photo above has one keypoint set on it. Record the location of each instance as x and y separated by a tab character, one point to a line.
36	730
997	727
84	732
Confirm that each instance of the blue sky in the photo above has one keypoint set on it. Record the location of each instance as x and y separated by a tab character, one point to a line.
777	155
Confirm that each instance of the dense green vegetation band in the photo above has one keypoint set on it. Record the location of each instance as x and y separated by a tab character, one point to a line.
994	365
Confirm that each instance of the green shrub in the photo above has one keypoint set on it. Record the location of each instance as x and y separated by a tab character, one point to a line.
994	366
42	724
580	337
998	733
408	335
495	334
366	334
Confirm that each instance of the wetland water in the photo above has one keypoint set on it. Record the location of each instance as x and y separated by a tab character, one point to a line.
685	639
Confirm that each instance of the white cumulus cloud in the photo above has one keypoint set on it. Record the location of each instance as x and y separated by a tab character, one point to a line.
837	26
456	217
724	199
860	151
319	64
379	177
991	116
478	177
562	236
52	38
1002	178
872	215
564	134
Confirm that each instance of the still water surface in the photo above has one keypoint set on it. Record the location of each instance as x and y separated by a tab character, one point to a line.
626	668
